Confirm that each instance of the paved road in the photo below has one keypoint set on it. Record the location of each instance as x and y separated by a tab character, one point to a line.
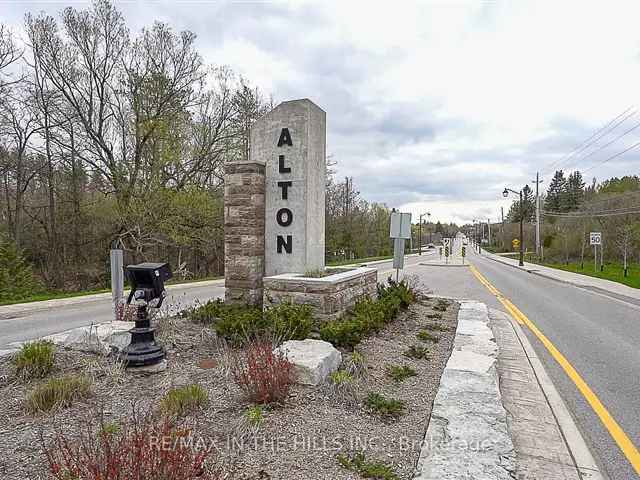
39	320
598	335
20	323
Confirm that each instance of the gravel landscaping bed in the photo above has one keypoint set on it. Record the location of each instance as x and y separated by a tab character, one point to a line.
298	440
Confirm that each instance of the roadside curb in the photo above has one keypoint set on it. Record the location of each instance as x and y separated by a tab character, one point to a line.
426	264
467	436
591	288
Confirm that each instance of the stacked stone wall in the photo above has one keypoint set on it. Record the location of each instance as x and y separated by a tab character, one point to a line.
330	297
244	192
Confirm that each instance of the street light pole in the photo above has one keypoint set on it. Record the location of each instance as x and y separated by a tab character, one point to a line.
521	262
420	231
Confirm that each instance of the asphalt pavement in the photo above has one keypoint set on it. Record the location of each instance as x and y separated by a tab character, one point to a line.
37	319
19	323
599	336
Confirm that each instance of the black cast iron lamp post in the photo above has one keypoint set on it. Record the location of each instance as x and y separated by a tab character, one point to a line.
505	194
147	285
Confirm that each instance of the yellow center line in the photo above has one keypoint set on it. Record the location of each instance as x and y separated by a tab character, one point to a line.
619	436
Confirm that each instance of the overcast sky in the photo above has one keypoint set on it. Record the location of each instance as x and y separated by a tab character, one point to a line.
431	106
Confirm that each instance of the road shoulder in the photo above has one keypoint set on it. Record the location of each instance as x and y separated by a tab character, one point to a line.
547	441
598	285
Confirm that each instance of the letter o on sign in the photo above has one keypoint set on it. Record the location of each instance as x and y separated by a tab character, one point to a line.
284	217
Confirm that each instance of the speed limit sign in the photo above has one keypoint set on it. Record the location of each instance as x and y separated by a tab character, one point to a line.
595	238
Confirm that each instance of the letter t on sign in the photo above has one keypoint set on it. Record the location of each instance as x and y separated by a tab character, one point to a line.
284	186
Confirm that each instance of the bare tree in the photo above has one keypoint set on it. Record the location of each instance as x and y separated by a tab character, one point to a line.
9	54
18	125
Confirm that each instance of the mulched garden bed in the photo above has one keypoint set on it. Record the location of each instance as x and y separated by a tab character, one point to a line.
298	440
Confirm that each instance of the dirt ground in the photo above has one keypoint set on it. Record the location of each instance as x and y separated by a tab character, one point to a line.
298	440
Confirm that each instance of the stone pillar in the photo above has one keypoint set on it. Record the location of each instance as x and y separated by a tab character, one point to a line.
291	141
244	202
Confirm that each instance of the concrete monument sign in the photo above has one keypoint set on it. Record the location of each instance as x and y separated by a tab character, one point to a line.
291	141
274	219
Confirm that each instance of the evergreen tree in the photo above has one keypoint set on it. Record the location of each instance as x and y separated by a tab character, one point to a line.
528	210
554	200
575	191
16	278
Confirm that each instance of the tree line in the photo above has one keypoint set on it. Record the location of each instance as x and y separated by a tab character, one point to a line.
113	138
571	209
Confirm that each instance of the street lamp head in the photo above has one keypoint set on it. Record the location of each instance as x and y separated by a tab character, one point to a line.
505	194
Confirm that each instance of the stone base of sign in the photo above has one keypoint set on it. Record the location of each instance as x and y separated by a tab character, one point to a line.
329	296
244	188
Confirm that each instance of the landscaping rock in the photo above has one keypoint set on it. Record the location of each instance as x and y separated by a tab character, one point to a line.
313	360
101	338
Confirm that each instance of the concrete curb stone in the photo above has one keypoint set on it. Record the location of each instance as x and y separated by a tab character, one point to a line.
468	435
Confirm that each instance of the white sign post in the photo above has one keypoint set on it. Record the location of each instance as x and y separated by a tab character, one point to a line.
399	230
595	239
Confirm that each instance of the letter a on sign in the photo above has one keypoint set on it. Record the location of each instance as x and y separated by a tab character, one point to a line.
285	138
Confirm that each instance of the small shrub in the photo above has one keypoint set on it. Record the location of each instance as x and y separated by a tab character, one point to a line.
342	388
417	352
235	323
435	327
358	463
391	306
143	448
356	364
288	321
263	376
400	373
340	376
254	416
370	314
183	400
401	290
35	359
58	392
239	324
385	407
441	305
345	333
425	336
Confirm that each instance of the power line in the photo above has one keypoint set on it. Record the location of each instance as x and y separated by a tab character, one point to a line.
590	215
635	145
602	147
587	143
602	213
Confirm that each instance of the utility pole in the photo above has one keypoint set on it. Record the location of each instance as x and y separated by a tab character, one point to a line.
428	214
502	220
489	231
537	182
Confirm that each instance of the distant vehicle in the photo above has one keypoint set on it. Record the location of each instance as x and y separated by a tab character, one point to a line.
430	245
